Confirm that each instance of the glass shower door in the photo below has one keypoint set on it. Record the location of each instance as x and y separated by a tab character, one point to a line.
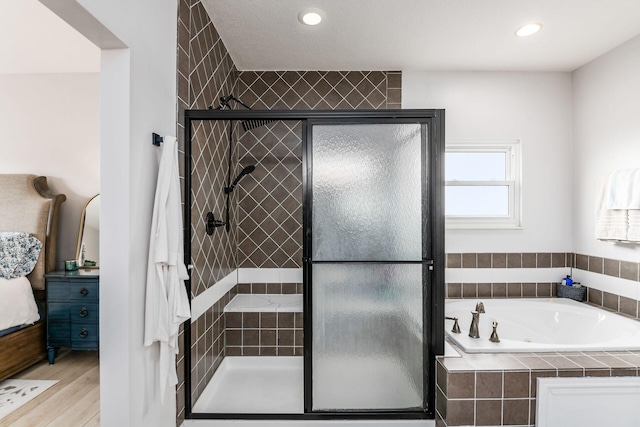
365	265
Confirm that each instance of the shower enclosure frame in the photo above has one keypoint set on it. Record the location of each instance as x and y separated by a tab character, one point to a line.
433	228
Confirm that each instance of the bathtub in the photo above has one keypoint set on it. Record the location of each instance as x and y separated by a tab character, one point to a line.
541	325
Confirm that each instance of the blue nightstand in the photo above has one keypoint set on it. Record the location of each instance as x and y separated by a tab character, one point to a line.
72	310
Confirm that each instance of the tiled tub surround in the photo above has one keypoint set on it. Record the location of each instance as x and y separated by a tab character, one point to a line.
500	389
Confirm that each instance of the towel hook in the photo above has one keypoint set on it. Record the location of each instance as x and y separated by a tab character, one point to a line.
156	139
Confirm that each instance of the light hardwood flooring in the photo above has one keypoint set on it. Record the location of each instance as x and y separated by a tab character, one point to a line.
72	402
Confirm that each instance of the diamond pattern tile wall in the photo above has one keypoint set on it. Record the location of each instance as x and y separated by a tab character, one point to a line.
270	201
205	73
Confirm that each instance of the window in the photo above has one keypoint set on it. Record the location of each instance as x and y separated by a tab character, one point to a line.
482	184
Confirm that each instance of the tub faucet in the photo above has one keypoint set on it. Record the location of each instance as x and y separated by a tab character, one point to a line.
473	330
480	307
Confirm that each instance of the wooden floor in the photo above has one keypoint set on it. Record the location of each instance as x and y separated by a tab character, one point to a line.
72	402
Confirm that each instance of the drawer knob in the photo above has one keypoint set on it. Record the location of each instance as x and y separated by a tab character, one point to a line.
84	312
84	333
84	292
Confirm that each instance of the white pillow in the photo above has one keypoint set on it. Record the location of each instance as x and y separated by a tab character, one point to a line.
17	303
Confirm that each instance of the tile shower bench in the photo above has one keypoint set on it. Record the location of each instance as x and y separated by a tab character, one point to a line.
264	325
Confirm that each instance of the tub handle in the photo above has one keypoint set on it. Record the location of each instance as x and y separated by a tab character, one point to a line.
494	335
456	327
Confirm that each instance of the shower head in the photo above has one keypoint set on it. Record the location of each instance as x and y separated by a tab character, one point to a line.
248	125
245	171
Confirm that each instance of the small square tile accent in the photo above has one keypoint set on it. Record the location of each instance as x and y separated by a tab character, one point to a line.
488	412
515	412
488	385
461	385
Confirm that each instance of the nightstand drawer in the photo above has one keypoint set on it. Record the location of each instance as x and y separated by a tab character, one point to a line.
58	311
80	312
59	334
85	291
82	332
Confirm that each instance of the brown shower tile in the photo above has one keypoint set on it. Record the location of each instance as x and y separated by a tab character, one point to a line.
529	290
514	260
233	337
250	337
268	351
460	412
612	267
629	306
586	362
488	385
514	290
461	385
558	259
251	351
469	290
285	337
454	260
286	320
570	372
298	320
544	289
394	80
544	260
534	362
288	288
499	260
469	260
595	296
499	290
610	301
286	351
484	290
454	290
488	412
441	403
267	337
529	260
516	384
595	264
250	320
629	270
441	376
515	412
233	320
274	288
624	372
484	260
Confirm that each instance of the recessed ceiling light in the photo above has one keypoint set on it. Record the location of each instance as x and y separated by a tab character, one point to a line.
311	16
528	30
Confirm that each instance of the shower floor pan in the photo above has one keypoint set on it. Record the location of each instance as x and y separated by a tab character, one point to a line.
255	385
275	385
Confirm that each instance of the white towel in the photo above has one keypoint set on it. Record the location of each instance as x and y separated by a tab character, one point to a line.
624	189
611	224
634	226
167	302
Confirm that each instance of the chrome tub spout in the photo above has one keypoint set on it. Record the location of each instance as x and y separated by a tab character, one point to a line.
480	307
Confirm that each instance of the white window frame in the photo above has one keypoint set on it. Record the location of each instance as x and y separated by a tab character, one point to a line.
513	180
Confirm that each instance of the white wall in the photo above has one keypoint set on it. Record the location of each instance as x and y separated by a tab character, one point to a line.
137	97
532	107
50	126
606	99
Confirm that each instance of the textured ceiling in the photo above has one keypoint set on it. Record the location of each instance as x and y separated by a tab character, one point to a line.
422	34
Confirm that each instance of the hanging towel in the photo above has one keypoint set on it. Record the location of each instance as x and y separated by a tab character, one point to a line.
611	224
634	225
624	189
167	302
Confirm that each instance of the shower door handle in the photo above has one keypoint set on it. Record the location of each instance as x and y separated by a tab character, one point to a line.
429	262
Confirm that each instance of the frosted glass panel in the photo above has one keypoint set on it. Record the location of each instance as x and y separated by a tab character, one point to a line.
367	336
367	191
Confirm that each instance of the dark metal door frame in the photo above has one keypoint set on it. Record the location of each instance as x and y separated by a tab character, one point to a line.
433	230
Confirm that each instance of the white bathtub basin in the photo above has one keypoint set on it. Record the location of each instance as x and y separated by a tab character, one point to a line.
542	325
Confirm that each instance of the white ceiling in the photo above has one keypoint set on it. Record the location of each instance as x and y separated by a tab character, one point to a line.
35	40
422	34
